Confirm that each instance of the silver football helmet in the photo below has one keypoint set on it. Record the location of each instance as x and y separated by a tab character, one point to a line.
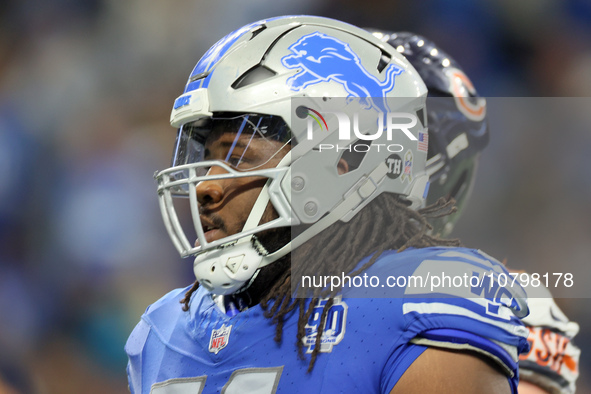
289	84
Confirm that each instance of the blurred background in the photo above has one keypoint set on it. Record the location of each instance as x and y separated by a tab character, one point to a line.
86	89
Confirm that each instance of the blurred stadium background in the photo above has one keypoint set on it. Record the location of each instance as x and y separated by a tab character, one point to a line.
86	88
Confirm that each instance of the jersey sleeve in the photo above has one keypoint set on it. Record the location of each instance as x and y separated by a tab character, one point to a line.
142	339
472	305
134	349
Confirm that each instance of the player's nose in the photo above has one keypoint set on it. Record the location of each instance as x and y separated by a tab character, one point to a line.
211	192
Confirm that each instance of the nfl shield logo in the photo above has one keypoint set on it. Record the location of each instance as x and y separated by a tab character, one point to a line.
219	338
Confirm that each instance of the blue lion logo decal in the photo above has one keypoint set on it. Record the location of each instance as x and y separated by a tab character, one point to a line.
323	58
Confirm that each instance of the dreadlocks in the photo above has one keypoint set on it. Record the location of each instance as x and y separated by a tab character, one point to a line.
386	223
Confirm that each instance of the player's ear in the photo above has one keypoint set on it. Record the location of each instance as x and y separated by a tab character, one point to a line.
342	166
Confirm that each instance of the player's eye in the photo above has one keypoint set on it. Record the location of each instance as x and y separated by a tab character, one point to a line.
234	161
239	161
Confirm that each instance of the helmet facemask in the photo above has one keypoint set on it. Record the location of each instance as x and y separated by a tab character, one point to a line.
251	147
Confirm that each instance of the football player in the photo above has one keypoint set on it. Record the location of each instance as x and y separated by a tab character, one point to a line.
458	133
280	191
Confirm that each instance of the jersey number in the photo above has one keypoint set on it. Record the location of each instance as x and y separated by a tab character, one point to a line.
242	381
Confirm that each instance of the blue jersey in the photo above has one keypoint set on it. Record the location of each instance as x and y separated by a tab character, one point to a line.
373	333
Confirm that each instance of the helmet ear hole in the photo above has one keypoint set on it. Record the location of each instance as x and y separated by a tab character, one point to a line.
355	156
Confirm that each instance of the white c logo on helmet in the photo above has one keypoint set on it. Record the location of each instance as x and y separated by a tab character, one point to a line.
461	87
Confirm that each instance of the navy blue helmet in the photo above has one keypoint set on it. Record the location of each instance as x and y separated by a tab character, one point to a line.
458	130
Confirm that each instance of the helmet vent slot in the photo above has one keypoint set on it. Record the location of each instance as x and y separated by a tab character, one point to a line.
355	156
256	74
421	116
384	61
275	42
258	31
199	76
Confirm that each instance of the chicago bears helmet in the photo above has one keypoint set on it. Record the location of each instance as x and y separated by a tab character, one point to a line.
272	81
458	130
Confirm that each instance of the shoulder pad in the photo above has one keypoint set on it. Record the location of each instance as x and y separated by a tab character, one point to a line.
553	360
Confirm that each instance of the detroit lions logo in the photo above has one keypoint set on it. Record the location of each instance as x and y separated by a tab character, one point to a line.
323	58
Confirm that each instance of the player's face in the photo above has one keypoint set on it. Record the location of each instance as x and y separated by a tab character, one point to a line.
225	204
